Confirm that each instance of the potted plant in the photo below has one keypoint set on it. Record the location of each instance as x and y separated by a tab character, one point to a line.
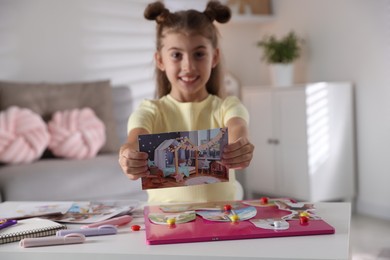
280	54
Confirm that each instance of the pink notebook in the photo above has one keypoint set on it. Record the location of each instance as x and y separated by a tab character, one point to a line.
201	229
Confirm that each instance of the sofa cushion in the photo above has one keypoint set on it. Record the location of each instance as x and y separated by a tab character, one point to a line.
23	135
76	133
48	98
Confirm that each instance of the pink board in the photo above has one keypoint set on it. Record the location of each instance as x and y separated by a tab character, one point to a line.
202	230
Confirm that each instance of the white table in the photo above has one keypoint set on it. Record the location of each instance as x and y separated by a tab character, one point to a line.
131	245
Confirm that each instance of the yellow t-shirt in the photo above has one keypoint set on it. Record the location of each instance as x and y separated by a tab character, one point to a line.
169	115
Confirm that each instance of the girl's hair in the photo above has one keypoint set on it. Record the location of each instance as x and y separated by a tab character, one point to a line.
189	21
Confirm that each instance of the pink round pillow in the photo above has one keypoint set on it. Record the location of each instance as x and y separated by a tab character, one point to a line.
23	135
76	134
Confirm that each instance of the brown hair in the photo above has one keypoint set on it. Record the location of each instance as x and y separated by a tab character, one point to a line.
191	21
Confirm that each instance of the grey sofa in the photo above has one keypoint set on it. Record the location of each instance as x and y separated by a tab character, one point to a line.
99	178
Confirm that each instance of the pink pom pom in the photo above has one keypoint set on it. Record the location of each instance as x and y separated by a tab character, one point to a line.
23	136
76	134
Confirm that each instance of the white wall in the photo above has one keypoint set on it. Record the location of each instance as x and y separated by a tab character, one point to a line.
347	40
75	40
58	40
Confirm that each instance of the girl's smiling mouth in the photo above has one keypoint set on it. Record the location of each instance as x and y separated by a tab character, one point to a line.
188	79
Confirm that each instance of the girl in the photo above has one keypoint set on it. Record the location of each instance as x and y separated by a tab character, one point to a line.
188	77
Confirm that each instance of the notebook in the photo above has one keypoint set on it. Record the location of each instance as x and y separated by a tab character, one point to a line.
32	227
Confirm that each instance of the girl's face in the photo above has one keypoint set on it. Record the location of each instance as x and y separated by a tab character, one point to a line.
187	61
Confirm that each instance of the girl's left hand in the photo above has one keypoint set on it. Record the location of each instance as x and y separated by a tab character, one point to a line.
238	155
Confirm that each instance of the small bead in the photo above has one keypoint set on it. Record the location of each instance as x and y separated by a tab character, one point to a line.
304	214
303	219
234	218
135	227
171	221
227	207
264	200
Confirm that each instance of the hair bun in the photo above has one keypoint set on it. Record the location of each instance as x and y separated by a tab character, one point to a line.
156	11
218	12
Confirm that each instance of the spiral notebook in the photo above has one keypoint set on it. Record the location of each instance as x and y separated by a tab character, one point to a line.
32	227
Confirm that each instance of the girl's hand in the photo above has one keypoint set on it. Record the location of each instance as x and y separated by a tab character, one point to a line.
133	163
238	155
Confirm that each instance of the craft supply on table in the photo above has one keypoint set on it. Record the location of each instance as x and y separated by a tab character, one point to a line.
118	221
227	207
37	227
276	218
226	216
171	221
303	219
72	238
135	227
4	223
99	231
273	224
264	200
162	218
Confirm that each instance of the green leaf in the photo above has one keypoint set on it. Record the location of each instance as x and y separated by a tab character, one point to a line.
284	50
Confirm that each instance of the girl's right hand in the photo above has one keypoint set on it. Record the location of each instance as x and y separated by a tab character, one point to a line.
133	163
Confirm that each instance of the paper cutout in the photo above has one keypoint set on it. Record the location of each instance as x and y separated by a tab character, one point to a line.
225	216
297	209
162	219
258	203
275	224
35	209
86	212
219	205
294	209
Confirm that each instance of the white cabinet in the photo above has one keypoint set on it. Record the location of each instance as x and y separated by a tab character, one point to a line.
304	141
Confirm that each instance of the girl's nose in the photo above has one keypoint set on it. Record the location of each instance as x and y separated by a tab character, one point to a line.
187	64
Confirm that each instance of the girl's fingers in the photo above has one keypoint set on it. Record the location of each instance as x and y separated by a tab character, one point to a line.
133	163
231	154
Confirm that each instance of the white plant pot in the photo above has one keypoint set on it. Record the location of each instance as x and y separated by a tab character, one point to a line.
282	75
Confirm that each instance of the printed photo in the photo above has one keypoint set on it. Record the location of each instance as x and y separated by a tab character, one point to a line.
184	158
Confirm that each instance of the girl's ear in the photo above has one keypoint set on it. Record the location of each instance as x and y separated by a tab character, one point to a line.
216	58
159	62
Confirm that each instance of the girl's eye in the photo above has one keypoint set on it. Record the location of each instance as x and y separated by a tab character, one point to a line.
176	55
199	55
